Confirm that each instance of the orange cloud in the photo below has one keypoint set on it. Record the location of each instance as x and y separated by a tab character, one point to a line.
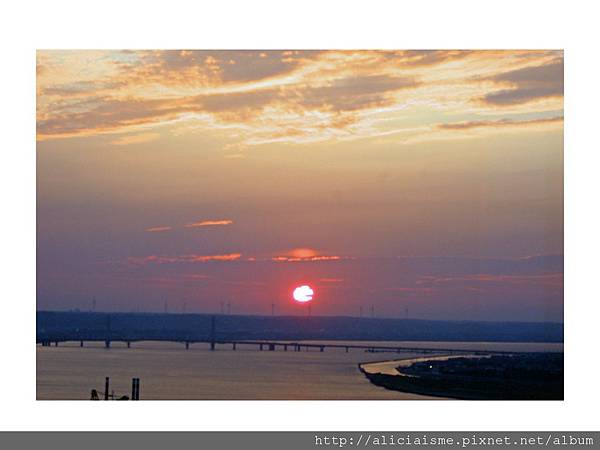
202	68
157	229
203	258
304	254
311	258
183	259
208	223
286	96
135	139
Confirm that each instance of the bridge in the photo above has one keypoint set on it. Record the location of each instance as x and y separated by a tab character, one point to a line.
109	336
266	345
274	345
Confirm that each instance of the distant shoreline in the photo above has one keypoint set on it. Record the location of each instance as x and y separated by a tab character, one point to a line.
455	386
59	325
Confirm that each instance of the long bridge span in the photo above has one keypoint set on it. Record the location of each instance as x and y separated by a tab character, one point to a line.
209	336
268	345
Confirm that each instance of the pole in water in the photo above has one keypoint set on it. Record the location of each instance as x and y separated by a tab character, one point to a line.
108	331
212	332
106	386
135	389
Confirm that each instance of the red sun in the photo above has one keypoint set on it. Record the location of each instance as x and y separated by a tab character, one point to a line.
303	294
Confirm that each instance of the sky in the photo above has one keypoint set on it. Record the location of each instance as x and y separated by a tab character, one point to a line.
421	184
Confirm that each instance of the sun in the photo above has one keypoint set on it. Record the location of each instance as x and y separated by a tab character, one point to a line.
303	294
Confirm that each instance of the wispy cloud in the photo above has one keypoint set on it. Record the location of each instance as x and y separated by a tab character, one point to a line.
305	254
312	258
546	279
208	223
528	84
135	139
157	229
284	96
499	123
192	258
210	68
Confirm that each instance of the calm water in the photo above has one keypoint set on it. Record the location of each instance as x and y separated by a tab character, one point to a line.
168	371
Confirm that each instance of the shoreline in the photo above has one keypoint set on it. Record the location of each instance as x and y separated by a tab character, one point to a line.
409	361
454	385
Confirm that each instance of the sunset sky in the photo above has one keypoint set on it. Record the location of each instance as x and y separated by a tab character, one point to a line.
427	181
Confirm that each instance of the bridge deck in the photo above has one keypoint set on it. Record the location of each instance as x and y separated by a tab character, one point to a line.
270	344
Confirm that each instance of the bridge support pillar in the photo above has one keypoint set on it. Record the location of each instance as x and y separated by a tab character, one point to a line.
81	343
128	344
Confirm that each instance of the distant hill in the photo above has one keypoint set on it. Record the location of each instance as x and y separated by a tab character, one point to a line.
75	325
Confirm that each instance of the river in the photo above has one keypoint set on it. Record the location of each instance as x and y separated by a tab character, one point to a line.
169	372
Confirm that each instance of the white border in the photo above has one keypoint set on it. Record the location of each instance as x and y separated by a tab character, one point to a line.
309	24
